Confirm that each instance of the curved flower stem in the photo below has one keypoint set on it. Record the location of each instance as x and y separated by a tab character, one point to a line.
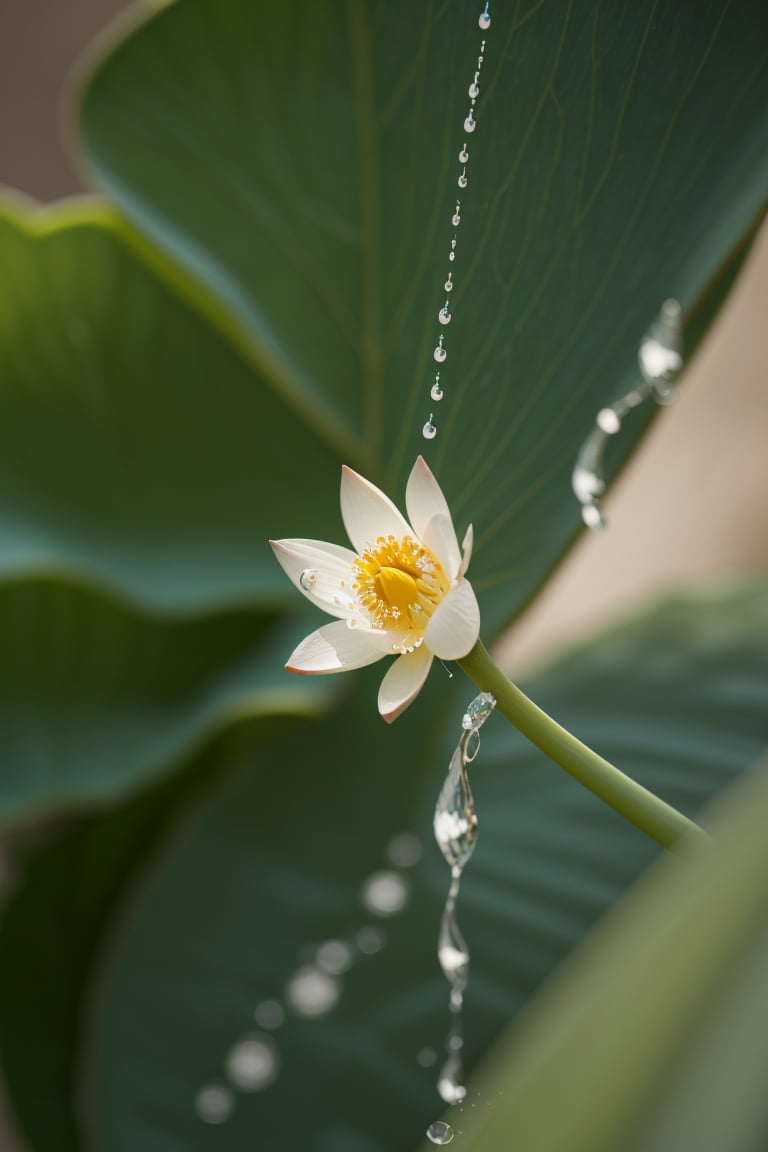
657	819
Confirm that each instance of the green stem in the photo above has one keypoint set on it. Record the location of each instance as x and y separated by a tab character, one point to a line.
659	820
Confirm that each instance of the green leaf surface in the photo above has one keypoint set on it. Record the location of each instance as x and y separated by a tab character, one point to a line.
274	862
138	451
298	164
653	1037
96	700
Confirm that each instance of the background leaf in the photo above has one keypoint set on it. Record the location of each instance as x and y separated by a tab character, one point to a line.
273	863
298	163
96	700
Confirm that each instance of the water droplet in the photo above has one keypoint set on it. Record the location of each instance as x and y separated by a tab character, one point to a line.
455	220
462	181
385	893
404	850
470	123
436	392
307	579
269	1014
254	1063
455	821
609	421
311	992
593	517
450	1081
444	315
451	255
214	1103
334	957
485	20
440	353
369	940
474	91
426	1057
429	431
463	155
449	283
452	951
440	1132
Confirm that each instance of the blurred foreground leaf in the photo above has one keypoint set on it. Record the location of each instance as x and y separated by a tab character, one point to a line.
273	863
654	1036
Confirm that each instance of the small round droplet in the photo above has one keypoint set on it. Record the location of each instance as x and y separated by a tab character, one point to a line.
439	354
451	255
436	392
463	155
269	1014
312	993
484	21
444	315
608	421
462	181
455	219
253	1064
470	123
474	91
307	579
593	517
448	285
429	431
369	940
214	1103
440	1132
334	957
404	850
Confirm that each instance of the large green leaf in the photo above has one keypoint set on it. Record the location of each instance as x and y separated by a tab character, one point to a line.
96	700
654	1035
298	164
273	864
137	449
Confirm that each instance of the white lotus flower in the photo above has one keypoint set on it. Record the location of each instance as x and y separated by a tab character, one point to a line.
402	592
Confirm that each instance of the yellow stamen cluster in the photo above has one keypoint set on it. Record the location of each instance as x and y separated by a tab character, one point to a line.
399	583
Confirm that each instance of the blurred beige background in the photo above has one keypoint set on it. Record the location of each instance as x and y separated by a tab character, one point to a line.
691	508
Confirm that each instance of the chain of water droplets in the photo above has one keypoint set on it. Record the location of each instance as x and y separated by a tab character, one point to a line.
444	316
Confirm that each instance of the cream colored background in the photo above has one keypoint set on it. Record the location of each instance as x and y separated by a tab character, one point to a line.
690	510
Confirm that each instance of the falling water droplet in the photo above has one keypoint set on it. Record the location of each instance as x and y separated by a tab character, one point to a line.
593	517
609	421
485	20
385	893
440	1132
429	431
369	940
450	1084
455	220
404	850
463	155
214	1103
269	1014
444	315
661	352
311	992
462	180
426	1057
449	283
334	957
253	1063
307	579
436	392
470	123
455	822
440	352
452	951
474	91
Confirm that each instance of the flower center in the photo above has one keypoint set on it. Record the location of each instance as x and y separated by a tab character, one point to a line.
399	583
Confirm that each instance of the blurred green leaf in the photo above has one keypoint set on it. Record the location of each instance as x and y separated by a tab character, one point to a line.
137	450
96	700
654	1035
298	165
273	864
